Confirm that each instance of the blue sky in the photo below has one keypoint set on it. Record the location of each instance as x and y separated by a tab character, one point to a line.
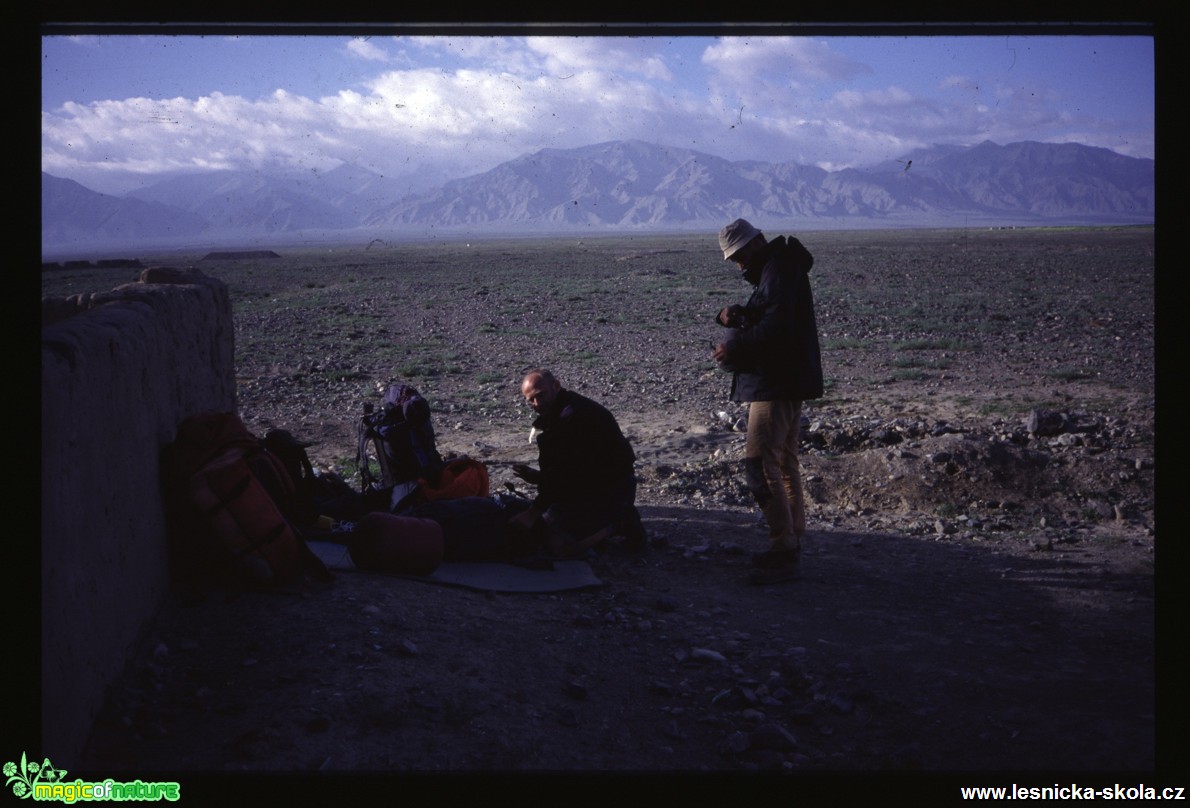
121	110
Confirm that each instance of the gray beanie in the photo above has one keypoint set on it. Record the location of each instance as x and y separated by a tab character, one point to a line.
736	235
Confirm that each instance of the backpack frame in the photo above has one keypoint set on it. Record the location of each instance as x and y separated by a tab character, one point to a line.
399	438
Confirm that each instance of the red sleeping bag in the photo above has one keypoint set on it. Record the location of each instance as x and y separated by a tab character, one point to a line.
384	542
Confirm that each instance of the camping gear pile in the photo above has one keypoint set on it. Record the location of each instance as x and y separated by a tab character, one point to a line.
243	508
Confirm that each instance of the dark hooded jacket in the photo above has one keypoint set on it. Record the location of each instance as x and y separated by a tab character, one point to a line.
582	452
774	351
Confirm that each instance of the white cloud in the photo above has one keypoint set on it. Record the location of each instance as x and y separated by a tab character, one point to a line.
497	54
965	83
150	136
892	97
459	105
365	49
795	60
569	55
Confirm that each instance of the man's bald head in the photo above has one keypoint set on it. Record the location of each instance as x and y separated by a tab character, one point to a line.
540	388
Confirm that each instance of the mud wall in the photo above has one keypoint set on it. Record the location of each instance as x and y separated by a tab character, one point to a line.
119	371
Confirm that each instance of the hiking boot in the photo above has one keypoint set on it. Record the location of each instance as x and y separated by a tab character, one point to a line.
776	566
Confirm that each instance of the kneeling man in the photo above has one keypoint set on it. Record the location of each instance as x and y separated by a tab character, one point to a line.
586	483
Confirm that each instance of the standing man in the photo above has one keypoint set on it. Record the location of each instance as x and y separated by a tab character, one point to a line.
586	484
773	354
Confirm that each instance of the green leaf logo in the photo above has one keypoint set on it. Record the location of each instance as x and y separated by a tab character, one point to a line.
29	773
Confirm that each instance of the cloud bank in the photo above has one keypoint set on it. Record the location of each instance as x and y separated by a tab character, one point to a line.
429	109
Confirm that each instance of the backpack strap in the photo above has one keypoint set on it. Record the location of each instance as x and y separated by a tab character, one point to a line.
366	434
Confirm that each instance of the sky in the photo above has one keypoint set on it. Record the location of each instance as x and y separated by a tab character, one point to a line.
120	110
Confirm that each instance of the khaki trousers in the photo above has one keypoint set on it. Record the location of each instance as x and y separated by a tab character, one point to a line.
772	471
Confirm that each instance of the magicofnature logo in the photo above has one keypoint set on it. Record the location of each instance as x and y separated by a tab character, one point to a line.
43	782
30	774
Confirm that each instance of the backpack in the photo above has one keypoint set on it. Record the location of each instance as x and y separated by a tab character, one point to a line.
400	439
316	494
231	504
460	477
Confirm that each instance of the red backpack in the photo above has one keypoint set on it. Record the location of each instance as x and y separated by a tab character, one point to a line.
229	500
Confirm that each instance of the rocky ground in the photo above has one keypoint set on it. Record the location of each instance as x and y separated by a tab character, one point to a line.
978	591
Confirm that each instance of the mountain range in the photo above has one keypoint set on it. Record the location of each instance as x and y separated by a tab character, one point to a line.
610	187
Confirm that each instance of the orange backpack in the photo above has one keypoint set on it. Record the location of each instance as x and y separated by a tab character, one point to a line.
227	498
460	477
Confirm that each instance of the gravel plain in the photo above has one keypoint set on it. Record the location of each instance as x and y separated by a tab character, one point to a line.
978	594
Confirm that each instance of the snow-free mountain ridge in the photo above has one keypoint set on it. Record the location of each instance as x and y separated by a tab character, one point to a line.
610	187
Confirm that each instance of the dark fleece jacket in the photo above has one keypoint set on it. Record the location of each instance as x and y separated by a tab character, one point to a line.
775	355
582	452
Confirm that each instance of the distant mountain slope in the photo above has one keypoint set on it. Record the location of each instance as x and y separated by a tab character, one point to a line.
625	184
1049	179
622	183
71	213
242	202
634	184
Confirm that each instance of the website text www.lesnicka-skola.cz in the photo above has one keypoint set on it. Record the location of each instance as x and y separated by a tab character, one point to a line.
1073	791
